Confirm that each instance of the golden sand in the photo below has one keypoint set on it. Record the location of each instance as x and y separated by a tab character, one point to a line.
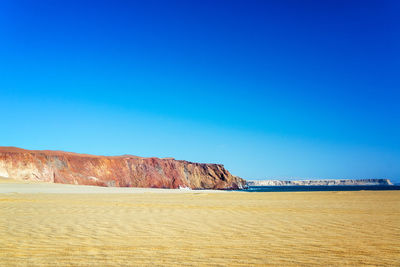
304	228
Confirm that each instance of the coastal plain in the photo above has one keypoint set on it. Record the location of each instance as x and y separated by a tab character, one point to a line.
196	228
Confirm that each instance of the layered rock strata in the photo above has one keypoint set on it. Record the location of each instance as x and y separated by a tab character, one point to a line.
320	182
118	171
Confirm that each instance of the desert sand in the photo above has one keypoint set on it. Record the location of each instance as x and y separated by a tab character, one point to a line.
50	225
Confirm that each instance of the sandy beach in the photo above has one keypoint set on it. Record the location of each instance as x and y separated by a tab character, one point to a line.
66	225
8	185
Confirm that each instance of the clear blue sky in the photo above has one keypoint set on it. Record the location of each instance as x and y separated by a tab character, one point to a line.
270	89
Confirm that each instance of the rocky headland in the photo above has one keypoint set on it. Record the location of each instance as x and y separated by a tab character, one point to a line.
324	182
113	171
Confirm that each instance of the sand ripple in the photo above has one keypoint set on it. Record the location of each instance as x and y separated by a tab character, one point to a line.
304	228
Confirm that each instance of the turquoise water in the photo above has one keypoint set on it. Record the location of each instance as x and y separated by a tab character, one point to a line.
320	188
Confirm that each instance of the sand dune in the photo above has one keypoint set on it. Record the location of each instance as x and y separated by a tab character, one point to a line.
200	228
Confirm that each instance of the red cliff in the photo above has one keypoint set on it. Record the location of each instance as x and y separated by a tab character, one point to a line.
119	171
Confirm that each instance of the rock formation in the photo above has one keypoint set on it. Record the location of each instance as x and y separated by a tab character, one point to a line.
320	182
118	171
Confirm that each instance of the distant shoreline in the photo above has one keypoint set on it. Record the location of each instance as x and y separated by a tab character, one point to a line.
321	182
322	188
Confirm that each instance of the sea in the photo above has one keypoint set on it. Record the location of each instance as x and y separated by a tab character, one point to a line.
320	188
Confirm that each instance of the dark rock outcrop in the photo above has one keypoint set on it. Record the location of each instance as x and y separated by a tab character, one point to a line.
119	171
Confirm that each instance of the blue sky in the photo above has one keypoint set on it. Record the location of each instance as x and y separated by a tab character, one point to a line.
270	89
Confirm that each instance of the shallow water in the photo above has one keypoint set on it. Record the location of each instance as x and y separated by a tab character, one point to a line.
320	188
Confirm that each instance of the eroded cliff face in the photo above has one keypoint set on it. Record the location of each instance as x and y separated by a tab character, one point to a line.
119	171
320	182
